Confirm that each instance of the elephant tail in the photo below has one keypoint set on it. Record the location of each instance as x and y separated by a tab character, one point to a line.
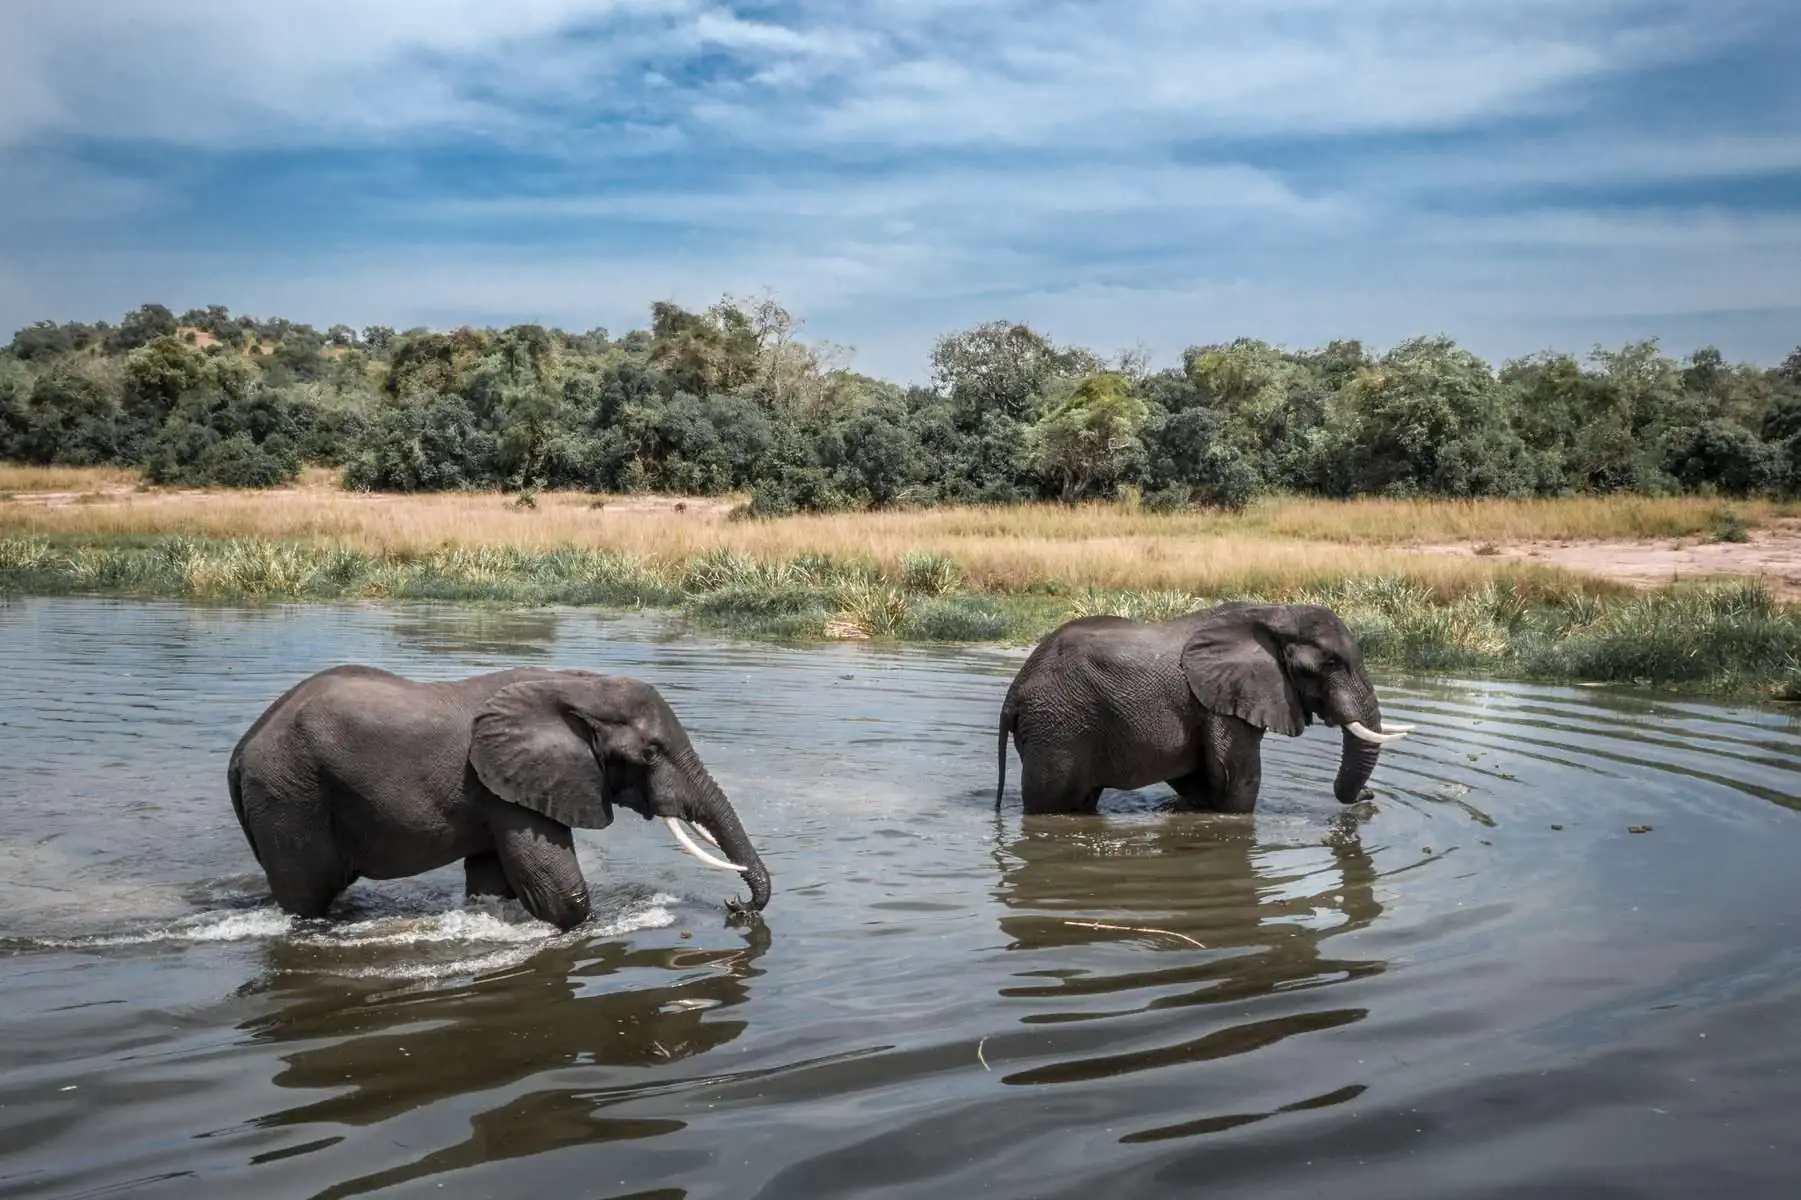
1008	714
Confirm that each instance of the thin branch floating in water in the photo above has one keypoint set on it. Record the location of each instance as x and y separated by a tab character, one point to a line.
982	1058
1136	929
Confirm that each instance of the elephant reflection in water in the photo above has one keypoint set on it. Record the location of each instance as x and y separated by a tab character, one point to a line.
406	1052
1175	884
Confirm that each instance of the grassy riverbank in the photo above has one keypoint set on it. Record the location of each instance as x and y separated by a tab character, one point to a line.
1525	622
1005	574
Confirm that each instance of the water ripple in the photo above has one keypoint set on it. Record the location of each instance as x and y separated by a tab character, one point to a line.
943	999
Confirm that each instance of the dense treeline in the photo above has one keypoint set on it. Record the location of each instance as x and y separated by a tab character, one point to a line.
730	398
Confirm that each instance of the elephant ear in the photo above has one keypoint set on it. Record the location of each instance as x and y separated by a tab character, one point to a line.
530	748
1234	665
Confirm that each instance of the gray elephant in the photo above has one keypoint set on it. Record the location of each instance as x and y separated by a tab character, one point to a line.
356	772
1108	702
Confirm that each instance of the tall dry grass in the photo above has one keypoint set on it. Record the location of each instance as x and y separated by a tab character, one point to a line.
1278	545
16	478
1004	549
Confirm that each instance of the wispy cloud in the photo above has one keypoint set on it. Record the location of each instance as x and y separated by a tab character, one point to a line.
1290	168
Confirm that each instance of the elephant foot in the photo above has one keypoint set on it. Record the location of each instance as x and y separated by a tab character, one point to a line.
1060	801
1192	792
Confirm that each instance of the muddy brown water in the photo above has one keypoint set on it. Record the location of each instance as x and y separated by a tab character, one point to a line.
1478	984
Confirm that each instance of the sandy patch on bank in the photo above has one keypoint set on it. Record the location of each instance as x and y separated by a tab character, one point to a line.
1772	554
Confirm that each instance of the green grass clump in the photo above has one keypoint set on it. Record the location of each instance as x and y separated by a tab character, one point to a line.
930	574
1134	606
1728	635
958	619
1729	526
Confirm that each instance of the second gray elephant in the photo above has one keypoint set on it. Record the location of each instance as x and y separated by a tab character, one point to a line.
1106	702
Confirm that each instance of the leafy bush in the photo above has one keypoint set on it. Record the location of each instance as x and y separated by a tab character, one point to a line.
424	443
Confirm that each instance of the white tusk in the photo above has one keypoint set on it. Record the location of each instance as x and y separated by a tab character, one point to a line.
703	831
1370	735
697	850
1387	727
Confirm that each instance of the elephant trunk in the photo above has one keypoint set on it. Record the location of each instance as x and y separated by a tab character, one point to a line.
1357	761
713	813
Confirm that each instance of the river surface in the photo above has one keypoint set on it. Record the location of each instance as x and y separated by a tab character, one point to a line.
1480	983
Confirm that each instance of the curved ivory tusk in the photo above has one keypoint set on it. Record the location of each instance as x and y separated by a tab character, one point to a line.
697	850
1370	735
1387	727
702	830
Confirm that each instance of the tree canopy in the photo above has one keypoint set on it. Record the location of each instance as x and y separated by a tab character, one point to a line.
732	399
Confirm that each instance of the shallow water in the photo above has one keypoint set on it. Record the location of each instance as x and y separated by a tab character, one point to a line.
1478	984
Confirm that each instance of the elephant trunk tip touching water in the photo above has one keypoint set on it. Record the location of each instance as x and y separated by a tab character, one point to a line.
712	816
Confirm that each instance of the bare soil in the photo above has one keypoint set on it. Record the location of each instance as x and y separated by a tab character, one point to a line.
1772	554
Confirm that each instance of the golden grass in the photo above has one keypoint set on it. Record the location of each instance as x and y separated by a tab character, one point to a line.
1004	549
18	479
1276	545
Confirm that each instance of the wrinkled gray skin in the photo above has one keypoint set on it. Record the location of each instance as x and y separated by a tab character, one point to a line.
1104	702
358	773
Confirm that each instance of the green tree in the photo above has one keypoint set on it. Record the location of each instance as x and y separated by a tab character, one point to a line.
1090	438
72	416
703	353
424	363
157	375
1428	418
517	391
1002	367
424	442
141	327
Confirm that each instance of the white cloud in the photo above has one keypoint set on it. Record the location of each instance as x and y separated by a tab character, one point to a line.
898	168
1703	230
216	72
973	197
213	72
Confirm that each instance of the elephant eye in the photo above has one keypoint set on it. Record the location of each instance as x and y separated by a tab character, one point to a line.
650	753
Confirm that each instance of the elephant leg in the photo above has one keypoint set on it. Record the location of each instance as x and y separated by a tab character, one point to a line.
291	829
484	876
1053	788
1232	760
1194	789
537	857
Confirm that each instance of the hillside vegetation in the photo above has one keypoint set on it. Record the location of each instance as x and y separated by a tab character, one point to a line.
731	400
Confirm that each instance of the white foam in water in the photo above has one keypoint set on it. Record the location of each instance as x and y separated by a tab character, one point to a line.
461	926
207	927
520	940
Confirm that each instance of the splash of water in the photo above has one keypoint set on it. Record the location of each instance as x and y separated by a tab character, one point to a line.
464	926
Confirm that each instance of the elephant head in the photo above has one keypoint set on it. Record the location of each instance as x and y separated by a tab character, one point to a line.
1278	666
573	746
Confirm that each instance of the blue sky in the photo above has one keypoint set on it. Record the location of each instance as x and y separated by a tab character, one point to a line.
1516	173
